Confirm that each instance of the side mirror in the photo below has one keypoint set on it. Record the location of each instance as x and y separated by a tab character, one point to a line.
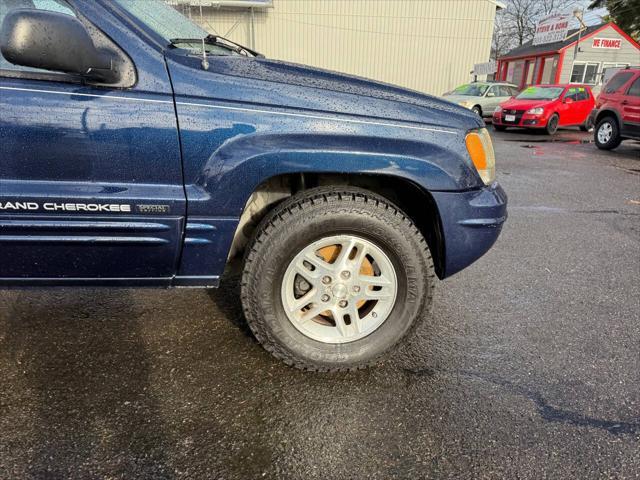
491	94
568	100
54	41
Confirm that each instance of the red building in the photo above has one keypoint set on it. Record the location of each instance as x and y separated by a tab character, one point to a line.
600	47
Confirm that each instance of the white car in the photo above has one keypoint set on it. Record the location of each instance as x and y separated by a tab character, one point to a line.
482	97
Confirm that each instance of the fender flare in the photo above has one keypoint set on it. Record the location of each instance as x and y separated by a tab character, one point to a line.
242	164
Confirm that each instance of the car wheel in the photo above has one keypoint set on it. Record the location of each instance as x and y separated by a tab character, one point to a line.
499	128
335	278
477	110
552	124
607	134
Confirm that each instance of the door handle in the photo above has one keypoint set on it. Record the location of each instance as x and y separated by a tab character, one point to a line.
625	102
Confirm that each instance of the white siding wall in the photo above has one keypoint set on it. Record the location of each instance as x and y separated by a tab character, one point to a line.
426	45
628	53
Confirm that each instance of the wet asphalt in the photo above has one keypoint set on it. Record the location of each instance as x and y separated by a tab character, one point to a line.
528	367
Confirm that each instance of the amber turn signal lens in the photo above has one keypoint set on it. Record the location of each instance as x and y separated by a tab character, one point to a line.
480	150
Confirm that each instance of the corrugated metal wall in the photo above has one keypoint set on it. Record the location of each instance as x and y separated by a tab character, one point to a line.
427	45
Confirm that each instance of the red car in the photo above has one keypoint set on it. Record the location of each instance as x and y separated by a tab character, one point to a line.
547	107
617	112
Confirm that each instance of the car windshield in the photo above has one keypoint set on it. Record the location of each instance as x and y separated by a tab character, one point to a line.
471	89
171	24
540	93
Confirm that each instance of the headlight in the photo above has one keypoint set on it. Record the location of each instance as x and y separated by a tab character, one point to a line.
480	150
536	111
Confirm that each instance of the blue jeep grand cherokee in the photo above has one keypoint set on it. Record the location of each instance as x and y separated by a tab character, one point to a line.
135	149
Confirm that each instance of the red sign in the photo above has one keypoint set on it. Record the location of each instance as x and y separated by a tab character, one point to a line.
612	43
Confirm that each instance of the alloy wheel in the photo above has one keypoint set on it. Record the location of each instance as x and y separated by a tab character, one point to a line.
605	133
339	289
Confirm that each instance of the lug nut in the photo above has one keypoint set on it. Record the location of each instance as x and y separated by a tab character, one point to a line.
326	279
374	314
325	298
343	304
346	274
356	288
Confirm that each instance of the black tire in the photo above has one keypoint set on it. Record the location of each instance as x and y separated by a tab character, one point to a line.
499	128
306	218
615	138
477	110
552	124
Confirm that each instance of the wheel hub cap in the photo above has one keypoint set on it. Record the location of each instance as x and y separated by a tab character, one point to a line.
340	290
604	132
351	289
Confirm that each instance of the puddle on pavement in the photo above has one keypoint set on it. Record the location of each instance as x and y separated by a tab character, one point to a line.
534	144
568	141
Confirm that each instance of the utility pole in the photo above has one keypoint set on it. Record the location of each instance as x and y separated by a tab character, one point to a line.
579	14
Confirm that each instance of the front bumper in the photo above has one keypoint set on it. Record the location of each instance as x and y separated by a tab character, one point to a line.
471	223
524	120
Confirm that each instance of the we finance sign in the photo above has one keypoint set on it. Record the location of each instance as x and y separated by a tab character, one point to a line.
552	29
607	43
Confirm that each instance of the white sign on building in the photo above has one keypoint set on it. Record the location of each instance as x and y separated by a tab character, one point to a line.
607	43
485	68
552	29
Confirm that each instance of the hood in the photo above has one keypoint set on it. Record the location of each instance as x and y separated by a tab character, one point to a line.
282	84
525	104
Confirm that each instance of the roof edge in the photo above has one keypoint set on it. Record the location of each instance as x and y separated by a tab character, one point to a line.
499	4
600	28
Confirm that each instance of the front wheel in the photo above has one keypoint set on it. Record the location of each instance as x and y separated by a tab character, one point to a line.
477	110
552	124
606	134
335	278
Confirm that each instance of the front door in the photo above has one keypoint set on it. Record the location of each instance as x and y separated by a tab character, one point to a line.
631	109
569	110
492	100
90	177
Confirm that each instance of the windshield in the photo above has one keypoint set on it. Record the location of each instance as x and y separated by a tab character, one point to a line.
171	24
471	89
540	93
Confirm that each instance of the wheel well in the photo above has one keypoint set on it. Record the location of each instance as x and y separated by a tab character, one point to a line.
479	108
417	203
607	113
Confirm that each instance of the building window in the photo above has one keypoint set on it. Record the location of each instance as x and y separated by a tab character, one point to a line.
586	73
609	69
548	70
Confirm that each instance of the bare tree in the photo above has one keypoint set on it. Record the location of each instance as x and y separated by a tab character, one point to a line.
516	24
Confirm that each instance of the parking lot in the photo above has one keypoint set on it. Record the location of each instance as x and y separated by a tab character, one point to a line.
528	367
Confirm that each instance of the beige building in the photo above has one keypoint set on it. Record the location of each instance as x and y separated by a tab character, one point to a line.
426	45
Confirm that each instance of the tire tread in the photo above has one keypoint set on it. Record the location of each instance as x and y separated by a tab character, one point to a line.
301	202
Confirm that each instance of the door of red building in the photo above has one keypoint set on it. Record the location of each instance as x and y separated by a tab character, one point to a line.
527	73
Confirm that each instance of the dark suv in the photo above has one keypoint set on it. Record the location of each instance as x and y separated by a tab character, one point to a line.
138	150
617	112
